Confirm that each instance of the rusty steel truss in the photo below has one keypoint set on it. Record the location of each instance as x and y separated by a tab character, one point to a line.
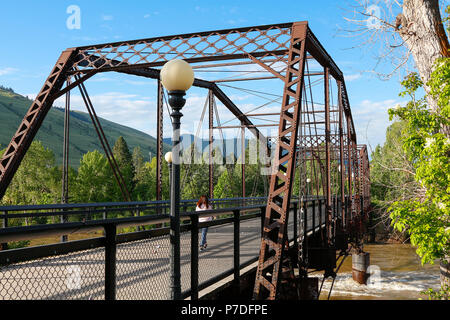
315	153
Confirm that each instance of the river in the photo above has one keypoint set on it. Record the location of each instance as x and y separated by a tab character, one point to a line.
397	275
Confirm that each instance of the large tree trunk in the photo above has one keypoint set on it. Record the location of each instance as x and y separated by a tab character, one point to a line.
424	34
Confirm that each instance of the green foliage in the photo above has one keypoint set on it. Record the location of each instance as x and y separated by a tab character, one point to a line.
93	182
391	173
124	160
426	217
145	178
18	244
37	181
442	294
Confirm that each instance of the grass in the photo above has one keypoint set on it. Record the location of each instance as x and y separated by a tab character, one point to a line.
71	237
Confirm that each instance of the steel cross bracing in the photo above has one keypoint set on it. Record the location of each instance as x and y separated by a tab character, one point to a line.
315	150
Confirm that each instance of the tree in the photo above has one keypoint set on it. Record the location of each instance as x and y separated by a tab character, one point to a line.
426	216
391	172
411	28
145	182
93	182
124	160
138	160
392	177
37	181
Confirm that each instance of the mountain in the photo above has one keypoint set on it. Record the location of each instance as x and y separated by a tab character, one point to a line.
83	137
232	146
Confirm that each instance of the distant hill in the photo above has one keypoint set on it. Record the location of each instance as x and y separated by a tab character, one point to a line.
232	146
83	137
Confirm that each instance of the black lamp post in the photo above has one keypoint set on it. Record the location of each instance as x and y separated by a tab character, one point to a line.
177	77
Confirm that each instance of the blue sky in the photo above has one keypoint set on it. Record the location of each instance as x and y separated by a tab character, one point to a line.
34	33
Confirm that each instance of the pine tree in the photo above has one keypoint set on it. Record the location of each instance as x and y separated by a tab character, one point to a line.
124	160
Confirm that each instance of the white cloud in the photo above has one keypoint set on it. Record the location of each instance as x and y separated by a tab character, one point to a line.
107	17
130	110
371	120
352	77
148	15
7	70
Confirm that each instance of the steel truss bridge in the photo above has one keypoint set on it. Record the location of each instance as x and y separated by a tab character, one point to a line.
314	150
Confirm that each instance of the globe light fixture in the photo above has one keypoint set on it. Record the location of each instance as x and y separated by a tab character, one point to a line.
177	77
168	157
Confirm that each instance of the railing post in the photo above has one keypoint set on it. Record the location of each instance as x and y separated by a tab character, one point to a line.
64	237
263	214
334	207
313	217
345	222
236	255
4	246
137	213
295	224
361	217
305	219
110	262
320	214
305	232
194	256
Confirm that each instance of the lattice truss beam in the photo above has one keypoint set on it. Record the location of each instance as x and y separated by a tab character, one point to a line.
315	150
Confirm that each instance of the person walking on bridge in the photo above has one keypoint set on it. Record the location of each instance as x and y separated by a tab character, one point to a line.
203	204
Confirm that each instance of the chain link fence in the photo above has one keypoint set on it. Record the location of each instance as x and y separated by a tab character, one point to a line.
140	265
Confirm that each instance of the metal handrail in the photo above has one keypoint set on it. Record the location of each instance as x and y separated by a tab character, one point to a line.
36	231
8	212
234	215
113	204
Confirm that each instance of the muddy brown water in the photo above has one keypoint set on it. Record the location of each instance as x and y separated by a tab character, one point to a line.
396	274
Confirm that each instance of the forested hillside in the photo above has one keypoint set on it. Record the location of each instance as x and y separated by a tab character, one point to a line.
83	137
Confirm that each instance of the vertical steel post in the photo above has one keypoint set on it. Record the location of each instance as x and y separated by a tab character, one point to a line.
194	257
263	211
4	246
295	205
328	207
305	217
110	262
305	234
65	164
236	249
159	142
320	214
243	158
211	143
313	217
341	152
350	168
